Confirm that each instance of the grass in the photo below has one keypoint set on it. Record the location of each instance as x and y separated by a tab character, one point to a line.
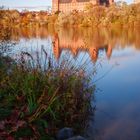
39	99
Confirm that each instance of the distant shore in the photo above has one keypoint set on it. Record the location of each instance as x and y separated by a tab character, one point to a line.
117	15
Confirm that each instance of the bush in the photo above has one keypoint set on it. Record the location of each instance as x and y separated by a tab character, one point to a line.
38	99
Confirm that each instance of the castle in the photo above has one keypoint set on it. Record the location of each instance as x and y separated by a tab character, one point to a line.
136	1
70	5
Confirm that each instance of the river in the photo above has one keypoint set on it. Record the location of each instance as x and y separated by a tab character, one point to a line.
116	55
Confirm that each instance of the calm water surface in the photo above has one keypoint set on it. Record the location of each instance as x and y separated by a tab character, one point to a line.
117	98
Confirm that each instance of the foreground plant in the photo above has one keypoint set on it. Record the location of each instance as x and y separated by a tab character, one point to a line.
38	99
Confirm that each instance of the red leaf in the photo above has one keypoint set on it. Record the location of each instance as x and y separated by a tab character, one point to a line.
10	138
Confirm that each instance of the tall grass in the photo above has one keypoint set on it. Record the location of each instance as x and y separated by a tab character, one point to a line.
38	99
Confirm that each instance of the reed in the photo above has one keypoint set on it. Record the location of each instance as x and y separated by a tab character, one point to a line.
38	98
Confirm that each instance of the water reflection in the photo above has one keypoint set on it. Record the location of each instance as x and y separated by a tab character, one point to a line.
118	106
94	40
82	40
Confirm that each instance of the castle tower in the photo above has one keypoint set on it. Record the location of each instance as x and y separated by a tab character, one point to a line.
55	5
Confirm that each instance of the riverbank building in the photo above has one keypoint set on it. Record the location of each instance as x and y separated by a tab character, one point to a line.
79	5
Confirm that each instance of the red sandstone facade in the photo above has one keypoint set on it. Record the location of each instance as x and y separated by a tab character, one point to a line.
70	5
136	1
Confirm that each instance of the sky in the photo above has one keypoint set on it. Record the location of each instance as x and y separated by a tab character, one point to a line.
31	3
24	3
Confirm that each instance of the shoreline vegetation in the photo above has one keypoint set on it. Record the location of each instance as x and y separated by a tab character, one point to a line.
39	98
117	15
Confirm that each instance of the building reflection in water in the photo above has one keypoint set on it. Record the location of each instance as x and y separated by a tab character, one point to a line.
93	41
84	39
76	43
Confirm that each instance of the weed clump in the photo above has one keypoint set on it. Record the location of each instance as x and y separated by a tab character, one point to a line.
38	99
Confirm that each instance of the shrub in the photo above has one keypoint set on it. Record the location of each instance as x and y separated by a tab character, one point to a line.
38	99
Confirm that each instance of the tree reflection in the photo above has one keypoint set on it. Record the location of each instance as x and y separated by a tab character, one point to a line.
76	40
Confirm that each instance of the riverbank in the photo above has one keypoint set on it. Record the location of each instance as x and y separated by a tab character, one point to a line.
117	15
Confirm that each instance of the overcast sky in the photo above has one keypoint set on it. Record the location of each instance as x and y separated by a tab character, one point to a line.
22	3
